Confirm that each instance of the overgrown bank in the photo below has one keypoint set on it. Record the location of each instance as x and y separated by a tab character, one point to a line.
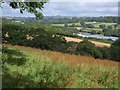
25	69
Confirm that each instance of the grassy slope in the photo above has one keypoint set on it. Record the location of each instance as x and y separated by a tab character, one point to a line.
43	68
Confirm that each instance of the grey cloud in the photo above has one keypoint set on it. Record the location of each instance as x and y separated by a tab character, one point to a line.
70	9
78	9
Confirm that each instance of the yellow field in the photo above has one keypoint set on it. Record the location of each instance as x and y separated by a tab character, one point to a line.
98	44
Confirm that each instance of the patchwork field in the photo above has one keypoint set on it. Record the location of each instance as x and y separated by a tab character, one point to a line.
96	27
31	67
96	24
98	44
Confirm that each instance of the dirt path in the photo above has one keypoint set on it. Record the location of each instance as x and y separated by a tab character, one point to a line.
98	44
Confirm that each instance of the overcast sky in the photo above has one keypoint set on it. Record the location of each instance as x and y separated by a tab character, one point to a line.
71	8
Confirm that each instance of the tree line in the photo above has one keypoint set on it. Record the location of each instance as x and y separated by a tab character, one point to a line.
44	38
106	19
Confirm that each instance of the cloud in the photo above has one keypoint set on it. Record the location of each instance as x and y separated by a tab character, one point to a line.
81	8
9	11
84	0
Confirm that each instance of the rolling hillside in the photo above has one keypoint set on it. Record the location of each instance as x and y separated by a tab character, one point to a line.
31	67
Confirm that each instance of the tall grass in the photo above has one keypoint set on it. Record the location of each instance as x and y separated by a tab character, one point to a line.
36	69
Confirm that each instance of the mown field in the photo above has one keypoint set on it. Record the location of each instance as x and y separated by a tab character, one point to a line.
97	44
25	67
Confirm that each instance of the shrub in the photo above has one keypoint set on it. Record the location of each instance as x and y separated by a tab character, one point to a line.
115	50
87	48
105	52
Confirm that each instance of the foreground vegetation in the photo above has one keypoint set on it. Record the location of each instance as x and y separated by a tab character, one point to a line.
25	67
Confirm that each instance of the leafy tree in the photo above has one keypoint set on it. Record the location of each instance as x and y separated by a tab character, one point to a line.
111	32
102	26
110	27
87	48
89	26
66	25
73	25
115	50
100	32
105	52
93	32
116	25
30	7
82	22
107	32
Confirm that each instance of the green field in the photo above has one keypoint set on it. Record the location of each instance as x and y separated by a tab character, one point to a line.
95	24
58	25
64	24
100	23
25	67
91	29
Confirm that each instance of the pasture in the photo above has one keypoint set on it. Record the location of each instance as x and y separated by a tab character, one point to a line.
96	24
85	29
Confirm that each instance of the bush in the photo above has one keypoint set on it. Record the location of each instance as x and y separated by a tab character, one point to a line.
87	48
105	52
89	26
25	69
40	73
115	50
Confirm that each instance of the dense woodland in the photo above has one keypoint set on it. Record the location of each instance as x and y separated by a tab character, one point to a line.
47	37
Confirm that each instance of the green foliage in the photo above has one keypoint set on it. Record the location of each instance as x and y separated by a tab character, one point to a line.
82	20
39	71
87	48
89	26
105	52
110	32
102	26
115	50
82	23
66	25
110	27
93	32
51	38
30	7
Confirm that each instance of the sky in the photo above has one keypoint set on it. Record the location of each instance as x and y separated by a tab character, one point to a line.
89	8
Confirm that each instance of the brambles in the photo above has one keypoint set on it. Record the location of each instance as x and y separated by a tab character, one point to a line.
40	71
